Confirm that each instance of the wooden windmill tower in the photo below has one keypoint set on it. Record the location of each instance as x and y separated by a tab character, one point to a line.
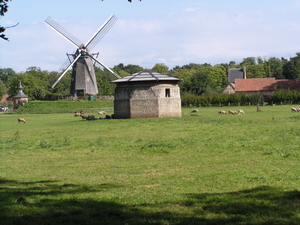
83	73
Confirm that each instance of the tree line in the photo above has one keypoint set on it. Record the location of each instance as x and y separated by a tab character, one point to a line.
198	79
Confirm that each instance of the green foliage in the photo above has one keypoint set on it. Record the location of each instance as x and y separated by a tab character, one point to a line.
161	68
2	89
104	78
198	79
6	74
188	100
285	97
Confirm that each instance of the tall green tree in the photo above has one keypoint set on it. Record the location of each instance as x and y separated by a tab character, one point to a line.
6	74
276	66
201	82
291	68
160	68
30	85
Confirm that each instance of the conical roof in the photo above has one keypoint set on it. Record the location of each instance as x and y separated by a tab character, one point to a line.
146	75
20	93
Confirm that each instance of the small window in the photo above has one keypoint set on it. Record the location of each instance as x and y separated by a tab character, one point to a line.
168	93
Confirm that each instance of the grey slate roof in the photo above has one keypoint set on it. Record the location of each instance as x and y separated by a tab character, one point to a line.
20	93
233	74
146	75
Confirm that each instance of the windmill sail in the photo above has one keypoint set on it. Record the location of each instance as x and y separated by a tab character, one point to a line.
83	74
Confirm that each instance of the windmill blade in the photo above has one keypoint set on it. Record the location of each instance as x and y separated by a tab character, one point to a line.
61	76
62	31
116	75
101	32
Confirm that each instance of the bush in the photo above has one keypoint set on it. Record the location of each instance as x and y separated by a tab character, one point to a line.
285	97
189	100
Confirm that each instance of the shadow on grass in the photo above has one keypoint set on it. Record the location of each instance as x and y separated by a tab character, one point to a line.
262	205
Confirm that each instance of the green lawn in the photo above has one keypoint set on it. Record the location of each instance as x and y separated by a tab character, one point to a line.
201	169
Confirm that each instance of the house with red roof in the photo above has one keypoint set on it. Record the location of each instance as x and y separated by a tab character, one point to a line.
266	86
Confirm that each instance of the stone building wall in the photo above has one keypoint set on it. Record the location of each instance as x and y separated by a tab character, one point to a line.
147	100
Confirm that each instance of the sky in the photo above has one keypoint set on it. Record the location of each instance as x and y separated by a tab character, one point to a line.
173	32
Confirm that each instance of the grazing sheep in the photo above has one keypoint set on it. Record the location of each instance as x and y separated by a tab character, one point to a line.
241	112
194	111
21	120
83	116
233	112
78	113
222	112
101	112
294	109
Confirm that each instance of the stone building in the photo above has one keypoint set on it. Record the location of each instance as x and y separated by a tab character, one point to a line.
147	94
20	98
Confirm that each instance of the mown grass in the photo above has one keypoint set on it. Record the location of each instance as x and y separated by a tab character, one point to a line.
201	169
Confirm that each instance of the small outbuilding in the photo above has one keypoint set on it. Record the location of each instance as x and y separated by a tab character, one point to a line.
20	98
147	94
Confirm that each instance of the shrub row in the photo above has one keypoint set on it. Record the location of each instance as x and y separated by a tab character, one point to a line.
285	97
189	100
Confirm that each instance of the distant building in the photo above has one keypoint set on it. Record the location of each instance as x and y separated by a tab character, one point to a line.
147	94
265	86
20	98
236	73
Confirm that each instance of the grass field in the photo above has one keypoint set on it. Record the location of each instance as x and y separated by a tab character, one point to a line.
201	169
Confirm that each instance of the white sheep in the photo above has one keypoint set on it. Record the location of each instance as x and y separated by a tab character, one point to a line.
233	112
241	112
21	120
101	112
294	109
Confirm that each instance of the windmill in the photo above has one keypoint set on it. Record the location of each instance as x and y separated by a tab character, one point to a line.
82	60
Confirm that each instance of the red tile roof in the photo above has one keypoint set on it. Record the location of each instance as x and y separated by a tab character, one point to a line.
4	98
265	84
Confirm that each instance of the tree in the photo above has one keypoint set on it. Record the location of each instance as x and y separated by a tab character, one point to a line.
218	76
2	89
160	68
3	10
291	69
276	67
201	82
104	78
119	69
6	74
63	86
131	69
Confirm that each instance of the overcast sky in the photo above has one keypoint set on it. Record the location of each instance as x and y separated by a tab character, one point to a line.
173	32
